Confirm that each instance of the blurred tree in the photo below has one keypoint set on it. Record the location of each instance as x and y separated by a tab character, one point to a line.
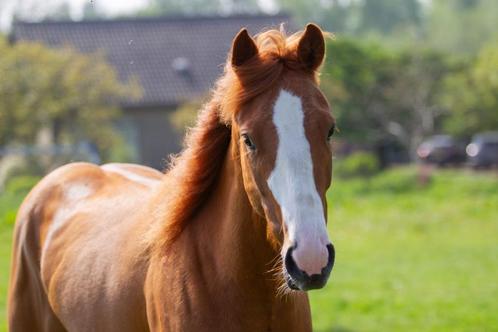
385	16
353	78
382	18
332	15
471	95
414	95
380	96
456	26
304	11
462	26
340	17
185	116
74	96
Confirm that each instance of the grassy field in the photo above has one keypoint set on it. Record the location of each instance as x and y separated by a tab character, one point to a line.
409	258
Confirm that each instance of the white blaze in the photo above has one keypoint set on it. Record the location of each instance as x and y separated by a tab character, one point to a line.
293	185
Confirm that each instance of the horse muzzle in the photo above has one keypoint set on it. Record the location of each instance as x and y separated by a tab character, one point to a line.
298	279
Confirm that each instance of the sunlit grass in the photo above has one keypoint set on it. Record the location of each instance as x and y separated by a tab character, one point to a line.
412	258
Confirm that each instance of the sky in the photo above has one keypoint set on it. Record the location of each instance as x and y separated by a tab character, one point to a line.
112	7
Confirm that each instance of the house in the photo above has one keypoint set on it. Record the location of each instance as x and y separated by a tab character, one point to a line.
175	59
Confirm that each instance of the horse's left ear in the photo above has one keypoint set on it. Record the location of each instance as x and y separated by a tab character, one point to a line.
311	47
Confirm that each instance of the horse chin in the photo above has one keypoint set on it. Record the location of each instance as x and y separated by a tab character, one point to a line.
291	283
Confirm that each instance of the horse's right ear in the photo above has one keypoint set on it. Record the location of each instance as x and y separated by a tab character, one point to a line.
243	48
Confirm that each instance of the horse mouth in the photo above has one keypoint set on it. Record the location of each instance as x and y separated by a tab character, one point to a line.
315	281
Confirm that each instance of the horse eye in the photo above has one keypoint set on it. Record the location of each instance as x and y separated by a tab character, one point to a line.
248	142
331	132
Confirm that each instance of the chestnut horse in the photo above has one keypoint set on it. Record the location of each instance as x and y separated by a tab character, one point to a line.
229	239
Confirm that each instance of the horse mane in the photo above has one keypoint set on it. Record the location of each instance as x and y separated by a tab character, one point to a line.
193	173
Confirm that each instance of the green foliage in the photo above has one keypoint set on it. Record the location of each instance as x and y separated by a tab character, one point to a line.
380	95
74	96
304	11
352	75
471	95
384	20
358	164
185	115
461	26
385	16
453	26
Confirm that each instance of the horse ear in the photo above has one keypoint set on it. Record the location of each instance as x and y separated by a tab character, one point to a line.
311	47
243	48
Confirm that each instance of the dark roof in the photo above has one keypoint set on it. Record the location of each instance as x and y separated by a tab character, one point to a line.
151	49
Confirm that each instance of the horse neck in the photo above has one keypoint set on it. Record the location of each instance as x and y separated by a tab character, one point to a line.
235	232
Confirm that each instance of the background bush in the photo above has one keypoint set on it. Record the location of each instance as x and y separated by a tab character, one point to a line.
358	164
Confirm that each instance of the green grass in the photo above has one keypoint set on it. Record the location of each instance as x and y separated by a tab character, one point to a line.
9	201
412	258
409	258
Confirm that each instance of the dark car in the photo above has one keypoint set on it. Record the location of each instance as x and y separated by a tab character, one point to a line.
483	150
441	150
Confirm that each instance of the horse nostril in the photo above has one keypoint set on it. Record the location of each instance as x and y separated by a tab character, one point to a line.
331	260
290	264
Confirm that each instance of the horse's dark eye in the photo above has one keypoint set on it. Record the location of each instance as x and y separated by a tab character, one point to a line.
248	142
331	132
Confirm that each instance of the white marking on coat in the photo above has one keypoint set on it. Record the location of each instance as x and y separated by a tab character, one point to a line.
71	195
130	175
293	185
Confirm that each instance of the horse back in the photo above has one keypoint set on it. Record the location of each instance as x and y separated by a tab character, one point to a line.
79	251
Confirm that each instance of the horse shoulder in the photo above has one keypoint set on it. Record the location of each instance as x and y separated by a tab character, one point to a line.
67	184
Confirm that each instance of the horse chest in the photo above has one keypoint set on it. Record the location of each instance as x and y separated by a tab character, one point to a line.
191	306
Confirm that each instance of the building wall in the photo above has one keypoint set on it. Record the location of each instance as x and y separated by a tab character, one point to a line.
152	135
